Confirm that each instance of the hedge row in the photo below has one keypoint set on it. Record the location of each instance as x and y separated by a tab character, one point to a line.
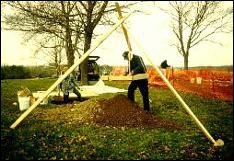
22	72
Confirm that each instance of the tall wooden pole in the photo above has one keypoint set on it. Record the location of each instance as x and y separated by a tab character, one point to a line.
52	87
218	142
126	35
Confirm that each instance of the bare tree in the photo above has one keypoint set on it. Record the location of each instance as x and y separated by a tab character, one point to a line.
93	13
47	19
51	50
194	22
73	22
56	56
90	14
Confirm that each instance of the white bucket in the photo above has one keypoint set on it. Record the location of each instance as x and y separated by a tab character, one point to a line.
199	80
24	102
192	80
39	94
45	100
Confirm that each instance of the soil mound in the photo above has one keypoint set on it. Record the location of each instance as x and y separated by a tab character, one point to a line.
119	111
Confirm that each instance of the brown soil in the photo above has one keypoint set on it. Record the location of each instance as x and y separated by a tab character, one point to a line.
118	111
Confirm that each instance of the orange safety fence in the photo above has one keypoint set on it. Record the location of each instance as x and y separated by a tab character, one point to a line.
180	74
118	70
206	82
205	74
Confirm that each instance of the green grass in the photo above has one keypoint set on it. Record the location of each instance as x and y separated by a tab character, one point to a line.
39	139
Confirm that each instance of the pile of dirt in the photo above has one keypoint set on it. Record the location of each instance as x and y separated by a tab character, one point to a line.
118	111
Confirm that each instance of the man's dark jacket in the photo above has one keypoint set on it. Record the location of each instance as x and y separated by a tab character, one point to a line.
137	65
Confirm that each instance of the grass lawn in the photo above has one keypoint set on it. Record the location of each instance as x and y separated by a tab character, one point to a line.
48	138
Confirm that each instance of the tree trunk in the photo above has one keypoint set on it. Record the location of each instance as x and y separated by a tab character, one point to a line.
68	41
59	63
186	62
56	62
70	57
84	64
69	49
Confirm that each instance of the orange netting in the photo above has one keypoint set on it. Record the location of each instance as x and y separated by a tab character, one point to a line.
204	82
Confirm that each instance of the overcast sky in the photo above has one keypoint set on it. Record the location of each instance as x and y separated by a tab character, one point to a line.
151	31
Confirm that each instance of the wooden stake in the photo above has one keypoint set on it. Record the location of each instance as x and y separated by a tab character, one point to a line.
125	35
60	79
218	142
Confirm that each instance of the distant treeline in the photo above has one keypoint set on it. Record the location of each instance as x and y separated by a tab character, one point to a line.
23	72
42	71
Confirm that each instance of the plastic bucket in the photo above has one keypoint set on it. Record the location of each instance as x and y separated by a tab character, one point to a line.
199	80
24	102
192	80
45	100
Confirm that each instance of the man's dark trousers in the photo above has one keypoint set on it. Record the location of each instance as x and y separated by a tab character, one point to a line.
142	84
